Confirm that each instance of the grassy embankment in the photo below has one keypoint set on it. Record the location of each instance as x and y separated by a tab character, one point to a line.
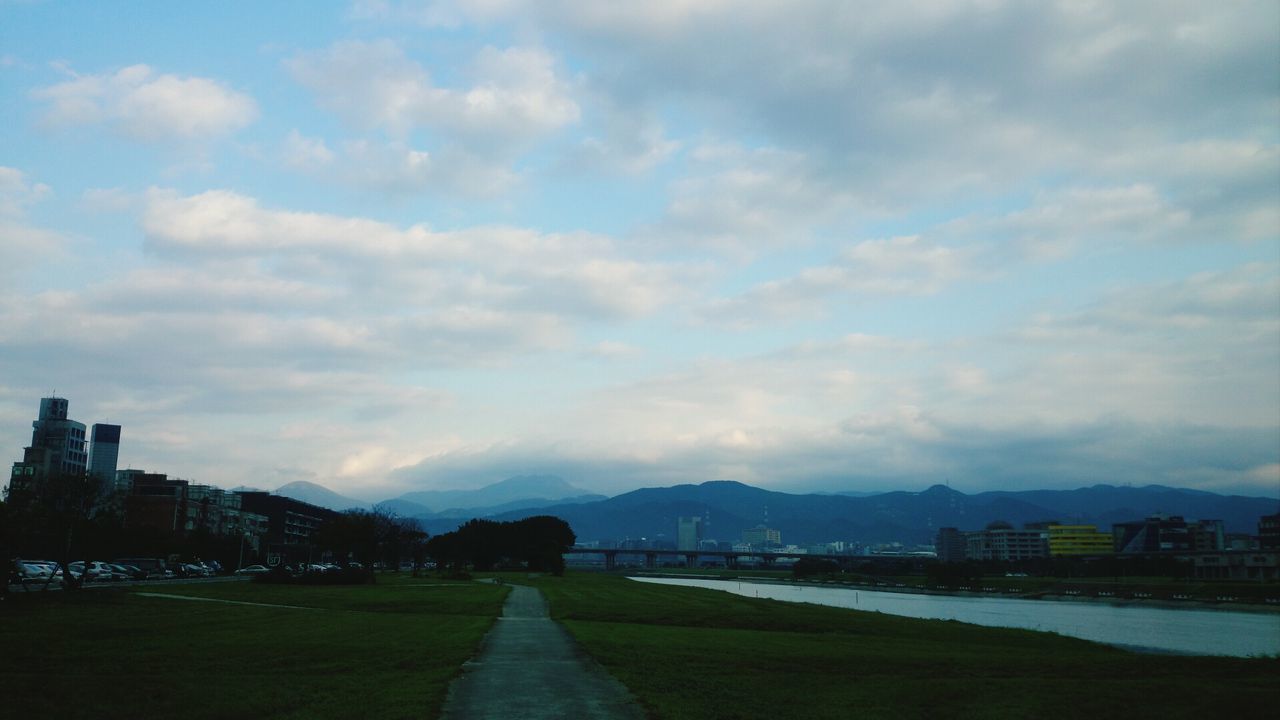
379	651
690	653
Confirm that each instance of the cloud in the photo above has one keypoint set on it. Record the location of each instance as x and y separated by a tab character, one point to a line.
142	104
23	244
901	266
516	94
910	102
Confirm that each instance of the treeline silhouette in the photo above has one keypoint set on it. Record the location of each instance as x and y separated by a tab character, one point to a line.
536	543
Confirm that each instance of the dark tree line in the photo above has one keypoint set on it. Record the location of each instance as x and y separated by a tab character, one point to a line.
373	537
536	543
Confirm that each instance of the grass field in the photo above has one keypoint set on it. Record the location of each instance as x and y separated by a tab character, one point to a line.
691	653
389	651
378	651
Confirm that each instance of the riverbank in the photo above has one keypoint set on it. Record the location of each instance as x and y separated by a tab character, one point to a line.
1119	594
690	653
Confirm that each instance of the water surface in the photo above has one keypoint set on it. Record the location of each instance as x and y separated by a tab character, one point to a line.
1184	631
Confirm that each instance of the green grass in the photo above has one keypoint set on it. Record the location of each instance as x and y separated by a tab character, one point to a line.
692	653
385	650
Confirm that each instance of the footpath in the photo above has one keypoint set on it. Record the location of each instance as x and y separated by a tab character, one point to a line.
530	667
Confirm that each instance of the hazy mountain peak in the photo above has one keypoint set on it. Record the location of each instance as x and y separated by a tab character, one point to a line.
320	495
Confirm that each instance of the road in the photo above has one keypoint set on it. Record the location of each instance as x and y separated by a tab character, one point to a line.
530	667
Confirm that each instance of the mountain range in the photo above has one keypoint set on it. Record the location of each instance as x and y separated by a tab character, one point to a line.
512	494
730	507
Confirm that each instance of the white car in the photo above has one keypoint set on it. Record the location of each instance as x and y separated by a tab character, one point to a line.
253	570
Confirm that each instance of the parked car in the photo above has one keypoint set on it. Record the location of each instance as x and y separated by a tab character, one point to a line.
253	570
153	567
98	571
129	572
30	572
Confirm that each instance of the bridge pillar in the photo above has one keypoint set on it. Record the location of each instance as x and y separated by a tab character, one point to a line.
610	560
767	560
651	560
691	560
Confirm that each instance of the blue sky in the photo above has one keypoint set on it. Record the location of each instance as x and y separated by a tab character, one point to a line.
391	246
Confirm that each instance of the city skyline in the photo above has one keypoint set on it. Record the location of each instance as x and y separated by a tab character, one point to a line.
395	246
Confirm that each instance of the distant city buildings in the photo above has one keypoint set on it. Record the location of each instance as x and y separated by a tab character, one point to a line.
1167	533
762	537
1000	541
689	533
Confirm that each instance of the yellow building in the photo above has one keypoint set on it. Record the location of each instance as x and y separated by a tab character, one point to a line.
1067	540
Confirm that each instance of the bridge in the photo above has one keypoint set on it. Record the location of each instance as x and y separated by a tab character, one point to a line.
732	558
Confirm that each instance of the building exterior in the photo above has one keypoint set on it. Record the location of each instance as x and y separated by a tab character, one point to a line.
1000	541
688	533
762	537
57	448
154	501
1078	540
104	453
950	545
1269	532
1167	533
290	524
1259	566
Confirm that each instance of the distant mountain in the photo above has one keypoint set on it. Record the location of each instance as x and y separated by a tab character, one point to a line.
403	508
310	492
908	517
542	490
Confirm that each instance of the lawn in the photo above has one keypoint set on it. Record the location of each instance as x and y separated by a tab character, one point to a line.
384	651
693	653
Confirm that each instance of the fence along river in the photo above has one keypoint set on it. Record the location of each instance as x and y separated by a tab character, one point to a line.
1175	630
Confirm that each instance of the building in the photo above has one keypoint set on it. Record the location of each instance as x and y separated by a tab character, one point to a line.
688	533
1000	541
154	501
104	452
290	524
950	545
1269	532
1258	566
1167	533
762	537
1078	540
57	448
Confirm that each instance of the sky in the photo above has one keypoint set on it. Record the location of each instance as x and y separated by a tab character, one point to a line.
811	246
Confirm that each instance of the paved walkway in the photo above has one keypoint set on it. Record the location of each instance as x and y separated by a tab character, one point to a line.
529	667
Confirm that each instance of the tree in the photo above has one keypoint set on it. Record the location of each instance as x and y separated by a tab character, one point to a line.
537	543
52	517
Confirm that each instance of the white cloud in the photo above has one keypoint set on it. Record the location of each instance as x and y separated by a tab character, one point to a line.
138	102
306	153
901	266
515	92
23	244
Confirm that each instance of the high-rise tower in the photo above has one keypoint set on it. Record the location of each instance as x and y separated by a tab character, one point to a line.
57	447
104	452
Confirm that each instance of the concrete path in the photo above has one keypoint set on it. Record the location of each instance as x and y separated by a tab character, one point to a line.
530	667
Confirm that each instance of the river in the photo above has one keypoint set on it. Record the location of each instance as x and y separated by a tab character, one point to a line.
1175	630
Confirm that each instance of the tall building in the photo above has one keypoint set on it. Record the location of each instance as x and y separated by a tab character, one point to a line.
688	533
57	447
104	452
950	545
